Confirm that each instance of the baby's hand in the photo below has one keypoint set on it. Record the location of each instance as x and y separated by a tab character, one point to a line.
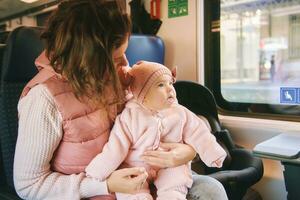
218	163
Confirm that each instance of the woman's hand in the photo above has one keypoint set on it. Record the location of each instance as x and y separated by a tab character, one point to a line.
172	155
127	180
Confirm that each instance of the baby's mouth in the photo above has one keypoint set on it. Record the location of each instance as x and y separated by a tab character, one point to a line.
171	99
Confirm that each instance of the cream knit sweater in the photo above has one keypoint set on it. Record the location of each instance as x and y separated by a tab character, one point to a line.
40	132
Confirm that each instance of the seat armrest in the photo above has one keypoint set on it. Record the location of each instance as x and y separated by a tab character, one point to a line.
245	168
243	159
245	178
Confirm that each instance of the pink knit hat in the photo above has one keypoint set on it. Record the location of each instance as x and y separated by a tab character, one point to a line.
142	76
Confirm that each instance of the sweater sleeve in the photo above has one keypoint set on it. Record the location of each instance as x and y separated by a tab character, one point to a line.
114	151
39	134
197	134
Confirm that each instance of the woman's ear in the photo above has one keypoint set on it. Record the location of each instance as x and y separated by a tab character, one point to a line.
124	75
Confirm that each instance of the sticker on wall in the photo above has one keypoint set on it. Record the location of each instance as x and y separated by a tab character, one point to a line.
289	95
177	8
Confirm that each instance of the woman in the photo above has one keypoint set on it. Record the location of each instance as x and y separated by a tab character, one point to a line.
67	110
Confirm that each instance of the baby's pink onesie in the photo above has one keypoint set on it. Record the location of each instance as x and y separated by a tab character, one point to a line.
138	129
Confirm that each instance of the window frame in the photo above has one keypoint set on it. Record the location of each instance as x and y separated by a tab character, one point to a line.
212	71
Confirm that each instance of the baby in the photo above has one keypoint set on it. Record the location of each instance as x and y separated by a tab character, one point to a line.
150	117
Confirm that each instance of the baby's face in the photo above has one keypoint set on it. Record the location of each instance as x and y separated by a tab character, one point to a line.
161	94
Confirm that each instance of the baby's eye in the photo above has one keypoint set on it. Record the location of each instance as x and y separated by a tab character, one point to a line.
160	85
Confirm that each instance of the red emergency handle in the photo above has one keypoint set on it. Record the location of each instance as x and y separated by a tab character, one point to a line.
155	9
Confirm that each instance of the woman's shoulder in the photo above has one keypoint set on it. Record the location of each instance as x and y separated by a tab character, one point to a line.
41	91
38	93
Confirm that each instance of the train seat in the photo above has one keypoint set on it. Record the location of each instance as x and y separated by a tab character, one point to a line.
145	47
22	47
241	169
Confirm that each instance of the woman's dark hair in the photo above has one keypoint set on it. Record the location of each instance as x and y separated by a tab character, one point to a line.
81	36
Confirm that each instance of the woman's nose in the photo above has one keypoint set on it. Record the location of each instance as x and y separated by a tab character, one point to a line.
121	62
124	61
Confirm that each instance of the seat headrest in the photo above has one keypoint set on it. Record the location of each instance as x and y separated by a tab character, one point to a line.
22	48
145	47
198	99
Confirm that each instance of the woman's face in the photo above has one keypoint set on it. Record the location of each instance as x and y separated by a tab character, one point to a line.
119	56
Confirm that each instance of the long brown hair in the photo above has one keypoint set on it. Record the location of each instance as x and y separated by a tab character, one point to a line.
81	36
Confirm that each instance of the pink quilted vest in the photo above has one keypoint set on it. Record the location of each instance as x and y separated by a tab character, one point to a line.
85	130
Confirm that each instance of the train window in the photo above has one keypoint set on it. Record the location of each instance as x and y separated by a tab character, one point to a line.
252	55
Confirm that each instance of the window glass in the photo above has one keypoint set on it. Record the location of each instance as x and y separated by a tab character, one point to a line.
260	52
